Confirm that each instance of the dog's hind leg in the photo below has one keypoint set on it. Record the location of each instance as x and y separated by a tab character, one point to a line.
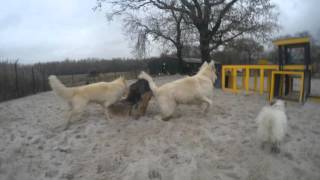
76	110
167	110
208	103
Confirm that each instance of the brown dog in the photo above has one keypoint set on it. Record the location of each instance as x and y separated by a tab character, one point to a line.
136	103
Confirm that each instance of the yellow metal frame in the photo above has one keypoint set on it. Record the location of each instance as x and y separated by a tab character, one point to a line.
246	71
298	73
263	69
291	41
269	70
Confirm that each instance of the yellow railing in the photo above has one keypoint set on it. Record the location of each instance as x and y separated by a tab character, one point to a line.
246	76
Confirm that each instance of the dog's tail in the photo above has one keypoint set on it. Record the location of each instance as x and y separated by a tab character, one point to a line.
60	89
147	77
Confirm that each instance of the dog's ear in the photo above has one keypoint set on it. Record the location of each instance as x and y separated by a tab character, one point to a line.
205	64
123	79
211	63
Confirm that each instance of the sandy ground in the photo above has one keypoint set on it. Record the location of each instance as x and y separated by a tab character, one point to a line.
192	146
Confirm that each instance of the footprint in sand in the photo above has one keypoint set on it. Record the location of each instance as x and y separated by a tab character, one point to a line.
154	175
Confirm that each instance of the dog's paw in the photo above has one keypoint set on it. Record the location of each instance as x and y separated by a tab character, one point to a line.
166	118
275	149
157	117
154	175
61	128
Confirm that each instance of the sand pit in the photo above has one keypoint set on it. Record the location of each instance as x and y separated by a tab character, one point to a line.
191	146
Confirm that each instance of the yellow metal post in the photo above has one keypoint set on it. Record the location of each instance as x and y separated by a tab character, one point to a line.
272	87
282	73
268	80
255	81
261	80
234	80
301	87
244	78
247	79
223	83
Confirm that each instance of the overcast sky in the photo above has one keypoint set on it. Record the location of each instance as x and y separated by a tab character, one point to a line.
51	30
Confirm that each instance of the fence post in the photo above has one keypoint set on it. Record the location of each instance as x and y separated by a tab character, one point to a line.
41	70
33	81
43	81
16	78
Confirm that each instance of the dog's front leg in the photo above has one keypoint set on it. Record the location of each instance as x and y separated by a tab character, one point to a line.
70	116
167	110
106	112
134	111
275	147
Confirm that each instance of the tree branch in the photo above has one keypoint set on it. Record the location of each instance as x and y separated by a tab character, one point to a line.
221	15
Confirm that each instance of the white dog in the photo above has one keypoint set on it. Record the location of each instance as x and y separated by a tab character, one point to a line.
104	93
195	89
272	124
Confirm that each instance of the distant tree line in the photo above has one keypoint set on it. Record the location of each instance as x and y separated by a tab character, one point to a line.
91	66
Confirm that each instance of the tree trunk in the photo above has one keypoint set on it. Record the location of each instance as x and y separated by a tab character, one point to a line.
179	55
204	46
249	57
179	45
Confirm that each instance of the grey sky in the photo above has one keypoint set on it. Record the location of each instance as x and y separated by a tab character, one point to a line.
50	30
299	15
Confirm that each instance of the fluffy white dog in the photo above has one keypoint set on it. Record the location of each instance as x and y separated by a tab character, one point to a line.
195	89
104	93
272	124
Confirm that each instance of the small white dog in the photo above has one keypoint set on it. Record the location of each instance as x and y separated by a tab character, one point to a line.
272	124
104	93
195	89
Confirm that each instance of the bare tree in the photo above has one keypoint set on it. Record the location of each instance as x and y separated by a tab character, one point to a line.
166	27
217	21
249	47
